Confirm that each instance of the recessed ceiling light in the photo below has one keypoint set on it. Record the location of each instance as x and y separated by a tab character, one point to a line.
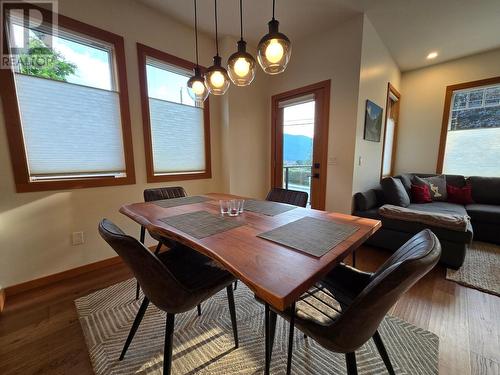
432	55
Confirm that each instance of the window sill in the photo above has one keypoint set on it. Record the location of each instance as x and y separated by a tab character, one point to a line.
81	183
179	177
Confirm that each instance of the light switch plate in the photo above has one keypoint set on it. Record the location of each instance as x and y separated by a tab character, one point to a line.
77	238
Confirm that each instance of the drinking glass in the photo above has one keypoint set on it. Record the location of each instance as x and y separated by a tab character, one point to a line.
234	207
241	206
224	207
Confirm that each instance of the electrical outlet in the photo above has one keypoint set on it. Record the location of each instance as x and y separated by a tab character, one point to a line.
77	238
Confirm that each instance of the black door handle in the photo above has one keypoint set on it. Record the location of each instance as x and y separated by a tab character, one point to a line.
316	175
316	165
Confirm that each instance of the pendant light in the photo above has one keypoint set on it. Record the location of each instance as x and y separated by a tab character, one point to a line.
216	78
241	65
196	85
274	49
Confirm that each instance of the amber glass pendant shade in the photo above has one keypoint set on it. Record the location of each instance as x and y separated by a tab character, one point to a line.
241	66
196	87
196	84
274	50
216	78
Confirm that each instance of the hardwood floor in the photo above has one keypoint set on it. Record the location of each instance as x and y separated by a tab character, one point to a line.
40	332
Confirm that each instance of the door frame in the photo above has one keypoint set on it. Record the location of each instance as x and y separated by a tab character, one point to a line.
321	91
390	90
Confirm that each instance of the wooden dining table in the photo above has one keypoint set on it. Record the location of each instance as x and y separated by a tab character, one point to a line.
277	274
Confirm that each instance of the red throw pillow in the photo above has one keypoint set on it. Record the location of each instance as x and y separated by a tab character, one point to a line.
459	195
421	194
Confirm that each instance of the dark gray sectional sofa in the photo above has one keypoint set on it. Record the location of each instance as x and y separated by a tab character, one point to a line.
484	214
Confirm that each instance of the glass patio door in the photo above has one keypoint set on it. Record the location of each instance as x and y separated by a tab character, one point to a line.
299	142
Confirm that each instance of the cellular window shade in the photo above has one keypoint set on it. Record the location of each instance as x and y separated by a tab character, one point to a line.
178	137
70	129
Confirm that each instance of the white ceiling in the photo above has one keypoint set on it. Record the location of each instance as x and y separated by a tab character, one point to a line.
297	18
409	28
454	28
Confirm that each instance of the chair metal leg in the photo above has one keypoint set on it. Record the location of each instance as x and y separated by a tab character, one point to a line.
158	247
383	352
271	317
199	309
135	325
235	284
167	351
138	287
266	334
232	311
143	234
290	342
352	368
137	291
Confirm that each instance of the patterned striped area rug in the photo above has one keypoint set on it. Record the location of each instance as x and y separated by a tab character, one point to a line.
204	345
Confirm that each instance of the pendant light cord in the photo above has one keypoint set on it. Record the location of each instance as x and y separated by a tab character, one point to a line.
196	31
274	5
241	19
216	31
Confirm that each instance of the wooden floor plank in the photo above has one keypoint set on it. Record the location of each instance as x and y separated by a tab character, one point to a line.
40	331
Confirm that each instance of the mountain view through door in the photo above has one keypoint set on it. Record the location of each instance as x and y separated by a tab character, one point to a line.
298	135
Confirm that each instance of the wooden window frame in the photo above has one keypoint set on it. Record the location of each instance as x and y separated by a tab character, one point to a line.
143	52
446	113
390	90
13	118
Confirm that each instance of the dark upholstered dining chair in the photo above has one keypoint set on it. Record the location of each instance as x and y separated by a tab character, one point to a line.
364	299
157	194
297	198
175	281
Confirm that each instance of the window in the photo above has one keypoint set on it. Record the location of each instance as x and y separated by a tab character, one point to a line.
390	131
176	130
66	106
470	138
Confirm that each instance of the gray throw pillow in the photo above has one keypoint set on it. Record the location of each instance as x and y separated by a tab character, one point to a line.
437	186
394	192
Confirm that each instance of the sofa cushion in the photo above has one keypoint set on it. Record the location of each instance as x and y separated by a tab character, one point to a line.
454	179
459	195
485	213
365	200
440	207
394	192
485	190
437	186
420	194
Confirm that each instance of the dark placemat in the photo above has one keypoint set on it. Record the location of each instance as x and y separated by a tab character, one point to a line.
174	202
312	236
201	224
267	208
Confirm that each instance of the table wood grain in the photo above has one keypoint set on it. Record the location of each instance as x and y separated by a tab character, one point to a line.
277	274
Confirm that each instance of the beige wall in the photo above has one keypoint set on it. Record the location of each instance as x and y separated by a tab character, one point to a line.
35	228
377	69
245	133
422	104
334	55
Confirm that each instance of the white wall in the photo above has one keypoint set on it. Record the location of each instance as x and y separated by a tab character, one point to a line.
35	228
377	69
335	55
422	103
